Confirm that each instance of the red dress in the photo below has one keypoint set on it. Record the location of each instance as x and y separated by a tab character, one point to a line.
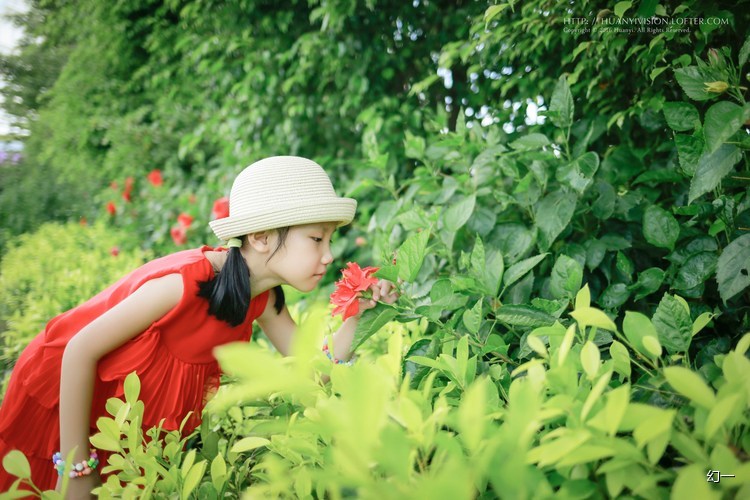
172	357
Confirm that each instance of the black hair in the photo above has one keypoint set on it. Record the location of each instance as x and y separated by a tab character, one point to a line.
228	292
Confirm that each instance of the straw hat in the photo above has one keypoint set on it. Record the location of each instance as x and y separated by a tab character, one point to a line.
281	191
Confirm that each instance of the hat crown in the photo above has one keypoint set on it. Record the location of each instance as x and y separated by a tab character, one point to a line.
277	181
282	191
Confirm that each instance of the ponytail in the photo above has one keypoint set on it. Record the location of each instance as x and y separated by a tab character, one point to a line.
228	292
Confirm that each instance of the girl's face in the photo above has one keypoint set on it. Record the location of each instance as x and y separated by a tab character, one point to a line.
303	259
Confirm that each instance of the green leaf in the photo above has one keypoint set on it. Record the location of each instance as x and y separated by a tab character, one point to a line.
712	168
681	116
648	282
701	322
519	269
553	214
193	478
590	359
589	316
456	215
249	443
561	105
473	317
693	83
218	472
719	414
579	173
530	141
621	8
689	151
733	268
614	296
619	353
524	316
652	345
16	464
696	270
660	228
537	345
371	321
691	483
744	52
566	278
691	385
673	325
636	326
493	275
132	388
411	254
722	120
583	297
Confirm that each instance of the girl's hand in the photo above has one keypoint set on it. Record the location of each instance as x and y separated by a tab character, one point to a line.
383	291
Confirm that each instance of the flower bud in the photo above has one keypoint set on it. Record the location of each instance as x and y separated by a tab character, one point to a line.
717	87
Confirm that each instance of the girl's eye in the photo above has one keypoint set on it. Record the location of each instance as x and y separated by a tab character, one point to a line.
317	240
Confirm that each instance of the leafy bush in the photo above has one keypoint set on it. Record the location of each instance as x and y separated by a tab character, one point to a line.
55	269
573	419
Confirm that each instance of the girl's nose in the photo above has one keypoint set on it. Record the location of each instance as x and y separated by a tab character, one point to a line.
327	257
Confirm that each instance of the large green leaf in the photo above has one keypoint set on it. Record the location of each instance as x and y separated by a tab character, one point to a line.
524	316
371	321
722	120
561	105
517	270
693	83
456	215
579	173
681	116
673	324
713	167
695	271
660	228
733	269
410	255
566	277
689	151
553	214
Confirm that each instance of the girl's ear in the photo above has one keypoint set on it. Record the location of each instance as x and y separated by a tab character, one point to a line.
261	241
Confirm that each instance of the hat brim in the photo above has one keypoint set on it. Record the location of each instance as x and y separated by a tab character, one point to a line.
340	210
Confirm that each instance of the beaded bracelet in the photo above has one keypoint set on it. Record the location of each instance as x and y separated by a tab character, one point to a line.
330	356
80	469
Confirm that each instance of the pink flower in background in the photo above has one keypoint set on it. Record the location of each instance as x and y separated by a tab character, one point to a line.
115	251
360	241
185	220
179	234
155	178
221	208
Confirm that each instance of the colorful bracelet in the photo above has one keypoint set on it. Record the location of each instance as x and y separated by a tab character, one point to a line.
330	356
80	469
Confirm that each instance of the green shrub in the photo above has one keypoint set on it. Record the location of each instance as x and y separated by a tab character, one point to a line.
55	269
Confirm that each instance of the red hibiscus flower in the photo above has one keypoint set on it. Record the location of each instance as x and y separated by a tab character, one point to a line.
221	208
179	234
350	289
111	208
185	220
154	177
127	192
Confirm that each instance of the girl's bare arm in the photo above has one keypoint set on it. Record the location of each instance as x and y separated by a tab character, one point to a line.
124	321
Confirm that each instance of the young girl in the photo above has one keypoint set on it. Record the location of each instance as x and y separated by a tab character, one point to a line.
164	319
